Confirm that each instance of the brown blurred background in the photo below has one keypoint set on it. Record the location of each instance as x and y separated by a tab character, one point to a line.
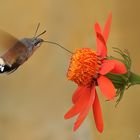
34	99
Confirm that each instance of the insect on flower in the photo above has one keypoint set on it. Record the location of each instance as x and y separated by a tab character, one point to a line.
88	69
18	50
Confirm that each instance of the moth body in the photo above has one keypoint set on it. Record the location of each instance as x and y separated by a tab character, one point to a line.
18	54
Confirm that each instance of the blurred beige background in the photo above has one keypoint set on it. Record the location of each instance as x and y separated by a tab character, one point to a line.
34	99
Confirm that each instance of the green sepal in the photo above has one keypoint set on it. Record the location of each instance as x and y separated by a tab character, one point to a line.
123	81
134	79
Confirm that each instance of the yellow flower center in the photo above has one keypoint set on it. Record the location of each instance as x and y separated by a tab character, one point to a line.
84	66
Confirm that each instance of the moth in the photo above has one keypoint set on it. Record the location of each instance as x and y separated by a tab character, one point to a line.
19	50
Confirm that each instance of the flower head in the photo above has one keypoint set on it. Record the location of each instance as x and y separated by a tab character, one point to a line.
88	69
83	67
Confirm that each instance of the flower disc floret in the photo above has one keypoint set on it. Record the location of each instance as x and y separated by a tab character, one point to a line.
83	66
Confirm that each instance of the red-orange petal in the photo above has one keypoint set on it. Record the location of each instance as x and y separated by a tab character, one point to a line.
85	110
77	94
97	113
107	27
106	67
119	67
78	106
106	87
101	45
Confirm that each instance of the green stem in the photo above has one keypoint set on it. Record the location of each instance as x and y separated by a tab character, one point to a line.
134	78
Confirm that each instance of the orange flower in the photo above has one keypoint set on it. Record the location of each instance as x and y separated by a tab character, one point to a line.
88	69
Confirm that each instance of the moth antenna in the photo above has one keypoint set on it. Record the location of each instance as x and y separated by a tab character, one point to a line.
50	42
37	29
41	34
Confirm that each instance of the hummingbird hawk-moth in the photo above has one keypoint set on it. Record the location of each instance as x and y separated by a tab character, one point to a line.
19	50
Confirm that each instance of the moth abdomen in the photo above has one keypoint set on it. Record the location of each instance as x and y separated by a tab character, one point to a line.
5	68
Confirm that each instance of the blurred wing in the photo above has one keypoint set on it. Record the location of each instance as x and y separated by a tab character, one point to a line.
6	41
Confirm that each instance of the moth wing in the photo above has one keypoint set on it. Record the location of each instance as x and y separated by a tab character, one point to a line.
6	41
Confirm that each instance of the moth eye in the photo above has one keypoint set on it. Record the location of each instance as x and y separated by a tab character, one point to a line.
37	44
